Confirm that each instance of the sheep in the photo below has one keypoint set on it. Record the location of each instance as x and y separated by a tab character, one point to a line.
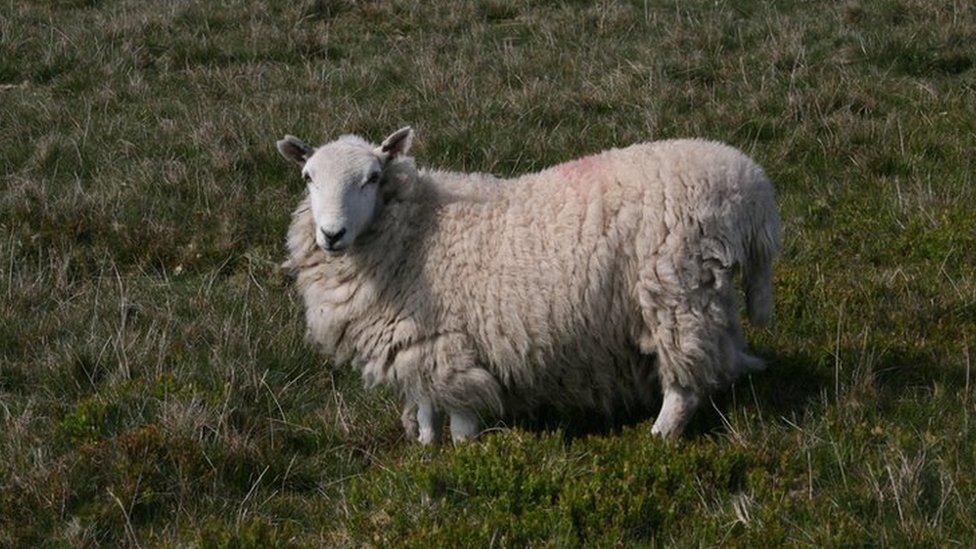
582	286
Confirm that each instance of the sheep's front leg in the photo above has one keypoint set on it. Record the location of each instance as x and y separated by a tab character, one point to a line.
678	407
465	425
408	418
429	421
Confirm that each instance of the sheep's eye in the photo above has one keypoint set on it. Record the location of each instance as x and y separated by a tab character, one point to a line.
373	178
307	178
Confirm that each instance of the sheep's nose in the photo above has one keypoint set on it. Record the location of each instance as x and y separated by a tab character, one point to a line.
332	237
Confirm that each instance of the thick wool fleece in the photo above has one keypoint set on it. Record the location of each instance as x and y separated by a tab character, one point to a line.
572	287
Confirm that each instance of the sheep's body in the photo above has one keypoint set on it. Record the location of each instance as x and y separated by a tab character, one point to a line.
572	287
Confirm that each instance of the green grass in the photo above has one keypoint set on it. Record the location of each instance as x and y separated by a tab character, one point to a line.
155	387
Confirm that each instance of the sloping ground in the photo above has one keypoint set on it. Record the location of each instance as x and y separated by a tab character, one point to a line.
154	384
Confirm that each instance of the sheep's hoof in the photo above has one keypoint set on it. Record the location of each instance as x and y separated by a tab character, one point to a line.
428	436
464	426
676	411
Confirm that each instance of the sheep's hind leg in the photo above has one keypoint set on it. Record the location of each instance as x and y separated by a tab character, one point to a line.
678	407
465	425
430	422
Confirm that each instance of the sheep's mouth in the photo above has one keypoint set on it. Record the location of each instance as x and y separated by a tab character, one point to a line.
333	250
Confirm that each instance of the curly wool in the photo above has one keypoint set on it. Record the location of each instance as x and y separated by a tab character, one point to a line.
572	287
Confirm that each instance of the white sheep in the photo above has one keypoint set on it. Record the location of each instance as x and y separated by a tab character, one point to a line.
573	287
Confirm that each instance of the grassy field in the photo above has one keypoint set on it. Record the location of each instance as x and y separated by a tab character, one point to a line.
155	387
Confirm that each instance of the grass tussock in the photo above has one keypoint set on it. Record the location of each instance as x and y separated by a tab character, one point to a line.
154	383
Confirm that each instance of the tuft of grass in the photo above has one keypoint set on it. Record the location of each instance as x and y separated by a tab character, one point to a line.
155	386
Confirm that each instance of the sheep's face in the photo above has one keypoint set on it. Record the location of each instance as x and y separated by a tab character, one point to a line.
343	179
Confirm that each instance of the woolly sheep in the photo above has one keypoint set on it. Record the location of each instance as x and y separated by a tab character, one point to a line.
581	286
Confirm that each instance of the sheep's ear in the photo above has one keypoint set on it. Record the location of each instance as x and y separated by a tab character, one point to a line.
295	149
398	143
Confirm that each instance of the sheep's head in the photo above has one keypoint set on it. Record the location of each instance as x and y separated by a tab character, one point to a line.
344	178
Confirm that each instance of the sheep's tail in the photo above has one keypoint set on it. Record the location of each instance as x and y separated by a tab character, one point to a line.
762	248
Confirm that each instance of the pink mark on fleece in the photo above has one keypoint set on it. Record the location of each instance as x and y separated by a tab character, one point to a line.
579	167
